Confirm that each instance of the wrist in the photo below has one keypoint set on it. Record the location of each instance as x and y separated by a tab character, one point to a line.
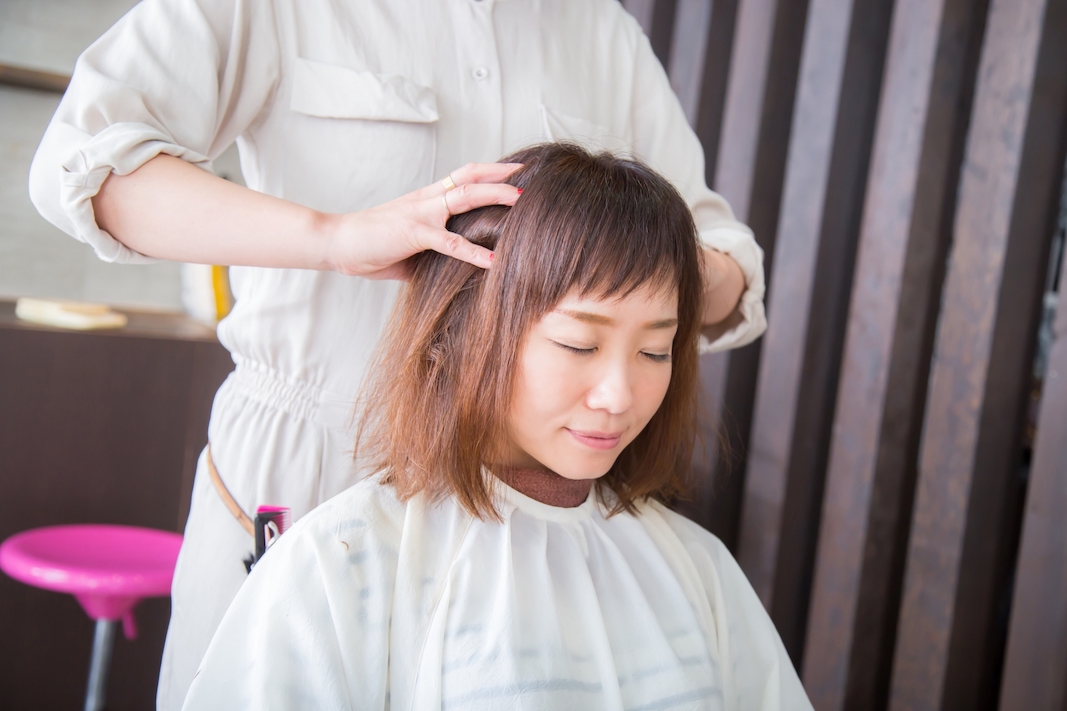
724	283
322	246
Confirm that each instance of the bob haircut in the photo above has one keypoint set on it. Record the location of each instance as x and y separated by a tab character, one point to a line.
435	414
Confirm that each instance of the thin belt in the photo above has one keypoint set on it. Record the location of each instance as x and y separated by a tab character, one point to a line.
227	497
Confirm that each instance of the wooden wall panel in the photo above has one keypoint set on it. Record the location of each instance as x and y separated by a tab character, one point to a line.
750	73
656	18
749	172
881	419
790	285
1035	668
642	11
688	52
964	526
903	242
699	65
833	122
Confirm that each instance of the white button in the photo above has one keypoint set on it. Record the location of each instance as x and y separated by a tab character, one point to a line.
480	73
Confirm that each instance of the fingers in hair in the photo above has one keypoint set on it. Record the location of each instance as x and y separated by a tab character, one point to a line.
458	247
483	173
470	196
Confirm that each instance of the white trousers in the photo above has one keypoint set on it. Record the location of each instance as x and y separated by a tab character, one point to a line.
274	441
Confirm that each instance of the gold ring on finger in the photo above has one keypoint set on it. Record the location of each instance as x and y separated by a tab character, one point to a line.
448	183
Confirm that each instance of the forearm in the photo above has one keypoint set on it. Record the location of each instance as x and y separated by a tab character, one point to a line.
170	209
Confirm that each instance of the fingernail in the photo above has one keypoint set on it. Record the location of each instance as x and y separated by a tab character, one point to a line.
492	256
520	190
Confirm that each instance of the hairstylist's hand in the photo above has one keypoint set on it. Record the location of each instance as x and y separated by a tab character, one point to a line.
377	242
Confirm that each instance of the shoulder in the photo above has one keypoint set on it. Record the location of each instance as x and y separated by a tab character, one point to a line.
699	556
720	574
762	675
367	508
690	534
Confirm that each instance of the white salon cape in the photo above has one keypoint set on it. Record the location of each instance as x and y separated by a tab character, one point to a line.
341	105
372	603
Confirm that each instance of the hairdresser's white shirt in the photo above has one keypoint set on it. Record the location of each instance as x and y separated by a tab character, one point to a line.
345	105
371	603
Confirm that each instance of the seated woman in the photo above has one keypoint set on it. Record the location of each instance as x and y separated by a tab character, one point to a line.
514	550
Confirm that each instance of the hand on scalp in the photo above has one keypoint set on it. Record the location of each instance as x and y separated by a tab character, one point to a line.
377	242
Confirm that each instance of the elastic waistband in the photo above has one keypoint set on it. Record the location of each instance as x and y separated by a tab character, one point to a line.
297	398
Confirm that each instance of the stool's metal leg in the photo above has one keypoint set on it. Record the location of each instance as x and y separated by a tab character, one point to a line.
103	642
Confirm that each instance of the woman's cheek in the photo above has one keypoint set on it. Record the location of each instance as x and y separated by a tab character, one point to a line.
551	378
654	389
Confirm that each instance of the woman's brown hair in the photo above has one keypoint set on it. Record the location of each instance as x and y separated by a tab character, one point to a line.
436	411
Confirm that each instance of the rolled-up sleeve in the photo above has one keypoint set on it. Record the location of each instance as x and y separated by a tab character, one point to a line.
663	137
176	77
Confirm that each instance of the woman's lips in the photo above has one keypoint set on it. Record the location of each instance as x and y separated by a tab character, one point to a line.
597	440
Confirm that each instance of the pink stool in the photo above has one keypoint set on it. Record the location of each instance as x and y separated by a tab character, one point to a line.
108	569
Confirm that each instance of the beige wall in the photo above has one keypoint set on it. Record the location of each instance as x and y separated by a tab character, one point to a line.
50	34
37	259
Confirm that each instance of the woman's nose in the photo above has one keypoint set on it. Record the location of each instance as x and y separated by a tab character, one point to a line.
612	392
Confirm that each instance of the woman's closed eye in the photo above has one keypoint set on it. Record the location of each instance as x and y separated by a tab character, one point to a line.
575	349
589	350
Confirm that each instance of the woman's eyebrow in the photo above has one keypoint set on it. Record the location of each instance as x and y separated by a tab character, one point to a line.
664	323
601	320
588	317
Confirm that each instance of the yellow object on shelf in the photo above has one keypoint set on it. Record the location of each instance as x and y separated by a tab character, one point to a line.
69	314
220	285
206	293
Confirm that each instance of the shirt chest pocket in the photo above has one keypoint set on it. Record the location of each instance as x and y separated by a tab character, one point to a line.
358	138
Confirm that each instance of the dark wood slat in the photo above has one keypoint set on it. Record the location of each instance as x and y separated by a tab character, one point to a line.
903	241
697	62
656	18
1035	668
662	30
833	123
699	65
687	54
749	170
688	64
702	41
950	640
707	492
750	72
642	11
712	99
791	283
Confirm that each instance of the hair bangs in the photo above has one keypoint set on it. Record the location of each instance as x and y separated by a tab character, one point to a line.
605	227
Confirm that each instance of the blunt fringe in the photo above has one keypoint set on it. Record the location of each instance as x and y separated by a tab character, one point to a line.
434	415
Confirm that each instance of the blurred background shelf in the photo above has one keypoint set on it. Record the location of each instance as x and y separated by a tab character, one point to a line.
105	427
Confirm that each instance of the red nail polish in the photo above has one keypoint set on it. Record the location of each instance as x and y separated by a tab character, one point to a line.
492	256
520	190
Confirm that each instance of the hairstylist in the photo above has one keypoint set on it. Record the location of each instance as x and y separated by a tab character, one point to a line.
344	113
